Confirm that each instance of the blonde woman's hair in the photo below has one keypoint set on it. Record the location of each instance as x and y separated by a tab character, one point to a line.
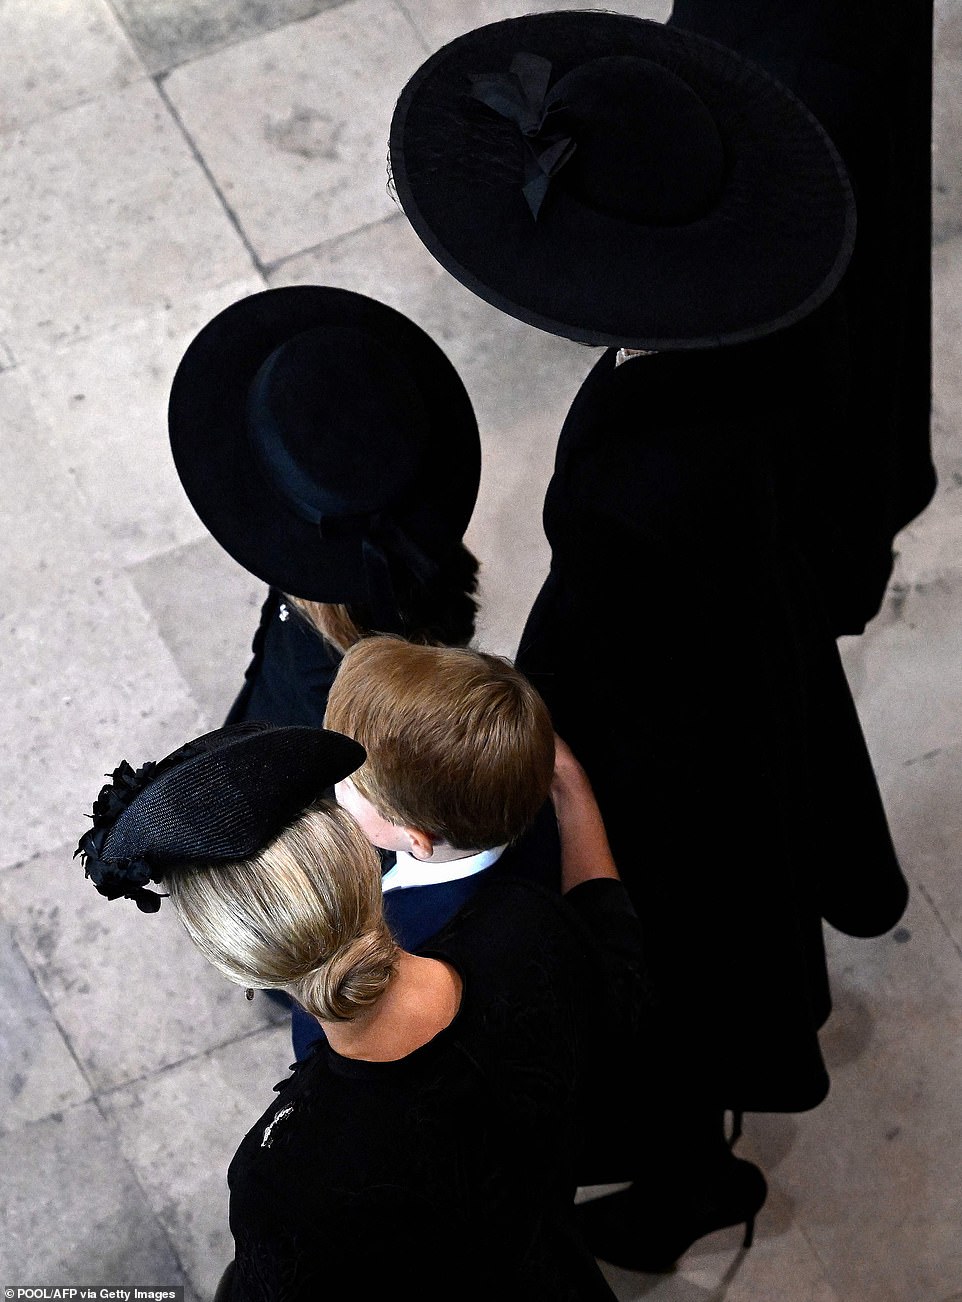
459	743
303	915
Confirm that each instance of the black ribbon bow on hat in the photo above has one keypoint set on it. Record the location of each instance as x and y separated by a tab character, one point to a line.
521	95
381	537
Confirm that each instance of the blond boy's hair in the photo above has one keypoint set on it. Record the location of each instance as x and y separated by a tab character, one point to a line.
459	744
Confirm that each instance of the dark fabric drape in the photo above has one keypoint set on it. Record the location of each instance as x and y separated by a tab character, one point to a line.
683	646
864	69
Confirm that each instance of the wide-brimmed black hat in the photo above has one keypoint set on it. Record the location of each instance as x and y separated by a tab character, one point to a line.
222	796
324	439
620	182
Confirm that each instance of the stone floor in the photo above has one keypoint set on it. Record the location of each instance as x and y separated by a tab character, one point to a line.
161	158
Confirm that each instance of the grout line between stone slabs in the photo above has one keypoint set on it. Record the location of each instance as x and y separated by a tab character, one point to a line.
210	51
421	39
99	1096
813	1249
108	1090
229	212
270	268
923	891
130	568
96	1096
8	359
151	1211
91	1093
128	36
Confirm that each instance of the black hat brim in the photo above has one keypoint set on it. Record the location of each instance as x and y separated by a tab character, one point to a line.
227	794
772	248
218	468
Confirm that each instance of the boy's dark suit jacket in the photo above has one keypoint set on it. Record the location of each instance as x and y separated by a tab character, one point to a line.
416	913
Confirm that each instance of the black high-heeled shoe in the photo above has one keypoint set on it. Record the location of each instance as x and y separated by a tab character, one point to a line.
643	1228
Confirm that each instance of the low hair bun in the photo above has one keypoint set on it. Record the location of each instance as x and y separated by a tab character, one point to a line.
304	915
350	980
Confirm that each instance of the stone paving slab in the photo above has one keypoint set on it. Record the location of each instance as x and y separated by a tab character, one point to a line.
932	545
53	59
872	1172
179	1130
169	32
83	671
904	676
947	121
72	1211
129	989
779	1266
102	409
947	333
107	215
38	1074
95	683
294	126
928	826
206	608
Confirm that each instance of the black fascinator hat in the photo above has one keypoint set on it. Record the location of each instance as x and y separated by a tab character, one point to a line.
325	440
620	182
222	796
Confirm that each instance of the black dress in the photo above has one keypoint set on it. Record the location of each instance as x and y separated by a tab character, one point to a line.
451	1172
864	69
683	646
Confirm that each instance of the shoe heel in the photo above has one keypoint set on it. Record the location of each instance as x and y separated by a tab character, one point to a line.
749	1238
736	1134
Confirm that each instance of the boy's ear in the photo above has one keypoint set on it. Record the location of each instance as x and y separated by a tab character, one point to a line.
422	843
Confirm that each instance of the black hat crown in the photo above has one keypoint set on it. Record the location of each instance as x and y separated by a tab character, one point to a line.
336	424
646	146
302	420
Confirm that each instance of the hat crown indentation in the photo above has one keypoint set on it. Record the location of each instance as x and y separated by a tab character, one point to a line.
336	424
647	147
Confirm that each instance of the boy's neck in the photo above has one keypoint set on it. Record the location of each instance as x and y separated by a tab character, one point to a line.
441	852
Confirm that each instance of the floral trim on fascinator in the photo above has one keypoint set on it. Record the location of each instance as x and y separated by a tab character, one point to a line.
121	877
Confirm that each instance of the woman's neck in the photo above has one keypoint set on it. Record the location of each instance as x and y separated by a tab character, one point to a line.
421	999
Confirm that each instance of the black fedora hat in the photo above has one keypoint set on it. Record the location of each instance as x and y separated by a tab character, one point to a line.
322	436
221	796
620	182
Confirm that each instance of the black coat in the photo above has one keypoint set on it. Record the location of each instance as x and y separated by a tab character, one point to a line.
291	671
864	68
682	644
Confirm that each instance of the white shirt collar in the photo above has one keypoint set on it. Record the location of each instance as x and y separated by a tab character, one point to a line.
408	871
